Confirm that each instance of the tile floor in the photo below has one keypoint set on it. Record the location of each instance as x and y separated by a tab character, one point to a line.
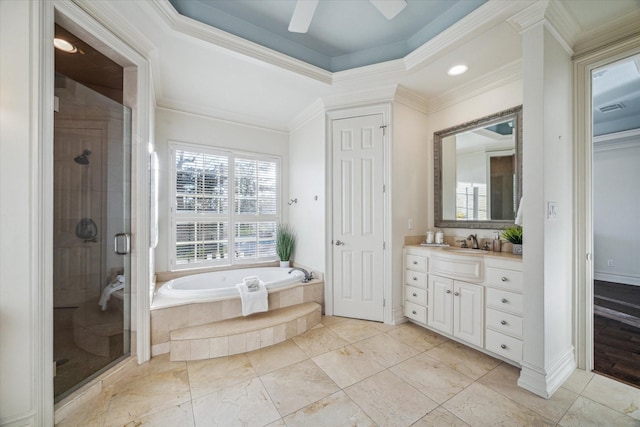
349	372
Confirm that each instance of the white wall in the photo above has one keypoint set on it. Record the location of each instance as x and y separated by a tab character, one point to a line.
25	301
492	101
616	203
307	153
410	179
182	127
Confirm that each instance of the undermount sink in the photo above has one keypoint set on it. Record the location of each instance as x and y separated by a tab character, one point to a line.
464	250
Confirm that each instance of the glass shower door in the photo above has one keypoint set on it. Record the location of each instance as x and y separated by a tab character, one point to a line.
92	217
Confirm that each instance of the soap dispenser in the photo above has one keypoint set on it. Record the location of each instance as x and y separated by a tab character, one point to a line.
497	244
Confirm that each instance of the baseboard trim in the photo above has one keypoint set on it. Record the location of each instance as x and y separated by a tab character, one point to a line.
545	382
398	316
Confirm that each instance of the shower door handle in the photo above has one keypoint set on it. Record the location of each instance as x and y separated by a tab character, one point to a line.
122	243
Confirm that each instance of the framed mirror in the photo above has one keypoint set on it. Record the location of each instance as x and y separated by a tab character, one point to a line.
478	172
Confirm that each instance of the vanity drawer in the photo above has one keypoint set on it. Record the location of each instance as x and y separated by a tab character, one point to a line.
503	278
415	295
413	278
415	312
504	300
416	263
504	345
504	322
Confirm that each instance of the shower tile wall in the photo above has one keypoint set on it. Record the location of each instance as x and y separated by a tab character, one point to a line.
82	268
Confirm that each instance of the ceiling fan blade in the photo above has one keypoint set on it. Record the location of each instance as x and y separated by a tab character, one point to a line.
389	8
302	15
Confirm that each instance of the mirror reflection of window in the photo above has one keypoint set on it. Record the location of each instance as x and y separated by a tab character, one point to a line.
478	174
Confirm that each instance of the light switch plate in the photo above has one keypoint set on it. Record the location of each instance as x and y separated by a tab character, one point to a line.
552	210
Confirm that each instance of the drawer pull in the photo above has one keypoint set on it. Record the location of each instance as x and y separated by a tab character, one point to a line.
504	279
503	346
414	294
503	322
456	293
414	312
448	291
415	262
504	300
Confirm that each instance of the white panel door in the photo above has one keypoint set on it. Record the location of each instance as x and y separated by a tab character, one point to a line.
468	321
358	217
440	298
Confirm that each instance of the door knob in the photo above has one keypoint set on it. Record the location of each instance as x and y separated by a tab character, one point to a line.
339	243
448	291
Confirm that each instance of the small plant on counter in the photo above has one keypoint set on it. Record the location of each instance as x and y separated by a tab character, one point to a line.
513	234
285	241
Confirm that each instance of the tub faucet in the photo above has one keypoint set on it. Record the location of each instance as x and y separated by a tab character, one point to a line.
307	276
474	241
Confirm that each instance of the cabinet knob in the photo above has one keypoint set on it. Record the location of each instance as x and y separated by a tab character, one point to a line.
503	322
414	312
415	278
414	294
415	262
456	293
504	279
503	346
504	300
448	291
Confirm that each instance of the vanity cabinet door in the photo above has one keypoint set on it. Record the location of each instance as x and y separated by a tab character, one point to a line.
440	297
468	307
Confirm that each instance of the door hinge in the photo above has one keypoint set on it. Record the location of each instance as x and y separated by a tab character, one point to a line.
384	302
384	130
384	245
384	188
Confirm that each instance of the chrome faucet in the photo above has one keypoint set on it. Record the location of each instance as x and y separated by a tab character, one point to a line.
307	276
474	241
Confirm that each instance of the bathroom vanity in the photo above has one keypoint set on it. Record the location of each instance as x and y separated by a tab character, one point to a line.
471	296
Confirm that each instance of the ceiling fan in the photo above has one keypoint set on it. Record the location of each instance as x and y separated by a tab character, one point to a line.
303	13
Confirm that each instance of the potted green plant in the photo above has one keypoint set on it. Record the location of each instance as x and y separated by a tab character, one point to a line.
285	243
513	235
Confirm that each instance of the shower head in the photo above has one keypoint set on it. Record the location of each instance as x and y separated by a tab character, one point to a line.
83	159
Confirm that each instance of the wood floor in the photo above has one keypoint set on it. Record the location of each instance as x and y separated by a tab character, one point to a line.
617	331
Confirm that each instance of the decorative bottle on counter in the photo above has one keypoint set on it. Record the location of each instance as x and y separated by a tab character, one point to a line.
429	237
497	244
439	237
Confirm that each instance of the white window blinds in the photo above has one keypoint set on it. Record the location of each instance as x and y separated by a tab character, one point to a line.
207	184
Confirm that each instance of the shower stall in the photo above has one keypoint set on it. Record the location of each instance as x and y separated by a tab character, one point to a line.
91	273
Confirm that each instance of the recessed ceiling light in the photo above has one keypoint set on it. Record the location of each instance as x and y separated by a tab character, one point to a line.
456	70
64	45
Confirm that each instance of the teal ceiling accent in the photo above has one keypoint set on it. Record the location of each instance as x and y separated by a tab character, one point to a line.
343	34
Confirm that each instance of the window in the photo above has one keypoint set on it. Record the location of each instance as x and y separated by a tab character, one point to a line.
225	207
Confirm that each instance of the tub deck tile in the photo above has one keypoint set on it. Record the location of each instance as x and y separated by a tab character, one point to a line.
242	334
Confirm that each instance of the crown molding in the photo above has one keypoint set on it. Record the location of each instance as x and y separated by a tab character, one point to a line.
484	17
617	141
563	22
382	69
236	44
530	17
553	16
614	31
411	99
306	115
379	95
509	73
170	104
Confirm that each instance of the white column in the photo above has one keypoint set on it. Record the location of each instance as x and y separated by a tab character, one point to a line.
548	354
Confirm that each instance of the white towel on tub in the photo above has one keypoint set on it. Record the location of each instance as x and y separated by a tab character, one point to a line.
255	301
